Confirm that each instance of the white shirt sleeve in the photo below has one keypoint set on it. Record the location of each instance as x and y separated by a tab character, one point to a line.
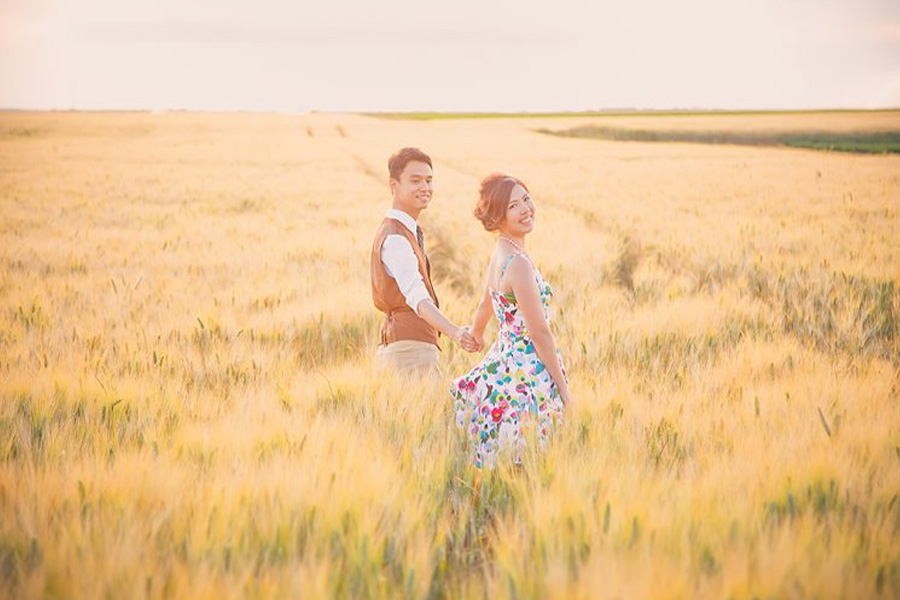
401	263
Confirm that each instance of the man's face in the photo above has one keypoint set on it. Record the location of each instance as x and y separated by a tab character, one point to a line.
413	192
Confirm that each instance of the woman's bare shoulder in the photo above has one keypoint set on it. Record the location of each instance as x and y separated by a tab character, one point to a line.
519	269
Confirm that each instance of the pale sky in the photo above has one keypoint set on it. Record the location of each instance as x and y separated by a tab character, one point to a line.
484	55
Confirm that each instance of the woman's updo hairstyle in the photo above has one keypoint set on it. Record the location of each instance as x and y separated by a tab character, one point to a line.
493	199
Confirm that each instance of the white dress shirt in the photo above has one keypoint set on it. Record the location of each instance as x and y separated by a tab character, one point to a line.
400	262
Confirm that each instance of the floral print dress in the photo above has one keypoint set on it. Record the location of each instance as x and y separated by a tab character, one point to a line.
509	386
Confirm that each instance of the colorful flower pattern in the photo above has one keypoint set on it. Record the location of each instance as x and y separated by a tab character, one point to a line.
508	387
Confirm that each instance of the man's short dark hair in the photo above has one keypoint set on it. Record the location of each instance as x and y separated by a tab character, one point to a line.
398	161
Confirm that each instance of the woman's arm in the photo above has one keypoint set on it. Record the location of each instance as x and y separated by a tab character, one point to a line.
520	276
481	317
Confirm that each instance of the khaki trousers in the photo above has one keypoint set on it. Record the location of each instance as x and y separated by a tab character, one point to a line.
409	356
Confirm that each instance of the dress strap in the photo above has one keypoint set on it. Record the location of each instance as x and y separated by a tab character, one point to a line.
506	264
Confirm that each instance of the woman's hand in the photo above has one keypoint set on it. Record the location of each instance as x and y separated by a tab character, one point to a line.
478	336
565	396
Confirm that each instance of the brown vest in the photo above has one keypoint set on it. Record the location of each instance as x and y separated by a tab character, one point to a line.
401	322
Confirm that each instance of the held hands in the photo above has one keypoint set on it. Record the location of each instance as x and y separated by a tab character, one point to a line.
467	341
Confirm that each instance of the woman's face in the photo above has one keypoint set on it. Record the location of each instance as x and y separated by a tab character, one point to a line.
520	211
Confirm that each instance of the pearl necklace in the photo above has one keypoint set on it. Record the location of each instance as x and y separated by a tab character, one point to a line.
514	245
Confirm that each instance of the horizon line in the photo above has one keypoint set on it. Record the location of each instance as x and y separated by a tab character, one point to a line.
369	112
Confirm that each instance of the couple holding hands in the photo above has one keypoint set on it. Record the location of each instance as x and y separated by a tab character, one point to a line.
521	378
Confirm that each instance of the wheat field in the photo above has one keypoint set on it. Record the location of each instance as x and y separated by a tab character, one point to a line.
189	409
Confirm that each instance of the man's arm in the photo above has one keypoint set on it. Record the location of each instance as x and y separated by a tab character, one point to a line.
401	263
433	316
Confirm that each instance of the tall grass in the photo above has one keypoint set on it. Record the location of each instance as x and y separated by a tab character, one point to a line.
188	404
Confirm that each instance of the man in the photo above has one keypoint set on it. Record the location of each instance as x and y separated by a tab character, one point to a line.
401	274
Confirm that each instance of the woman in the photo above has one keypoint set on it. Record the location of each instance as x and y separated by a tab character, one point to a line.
522	376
